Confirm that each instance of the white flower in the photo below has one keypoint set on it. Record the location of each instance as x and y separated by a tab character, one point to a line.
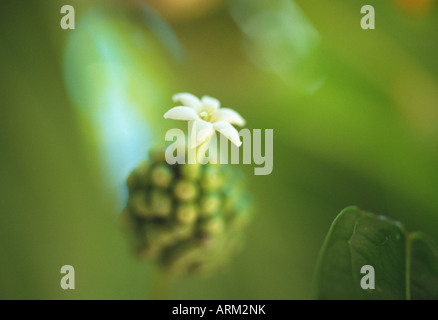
207	116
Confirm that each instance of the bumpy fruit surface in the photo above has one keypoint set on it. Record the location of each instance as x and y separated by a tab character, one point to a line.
187	217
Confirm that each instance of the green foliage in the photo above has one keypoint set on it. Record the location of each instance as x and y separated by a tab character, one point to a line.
405	264
368	135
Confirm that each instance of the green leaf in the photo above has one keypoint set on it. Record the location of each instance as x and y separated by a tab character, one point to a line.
405	264
423	266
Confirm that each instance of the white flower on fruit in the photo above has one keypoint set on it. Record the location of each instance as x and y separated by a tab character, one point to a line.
207	116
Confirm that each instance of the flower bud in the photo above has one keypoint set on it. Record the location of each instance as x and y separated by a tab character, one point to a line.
162	176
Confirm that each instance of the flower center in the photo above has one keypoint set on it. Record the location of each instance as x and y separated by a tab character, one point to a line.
204	115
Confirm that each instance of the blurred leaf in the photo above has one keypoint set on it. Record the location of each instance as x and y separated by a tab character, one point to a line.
424	267
405	264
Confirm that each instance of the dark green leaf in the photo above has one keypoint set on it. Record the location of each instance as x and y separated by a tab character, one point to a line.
423	267
405	265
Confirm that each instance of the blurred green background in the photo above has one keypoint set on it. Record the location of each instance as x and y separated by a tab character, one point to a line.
354	113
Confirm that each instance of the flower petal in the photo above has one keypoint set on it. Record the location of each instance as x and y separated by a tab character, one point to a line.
202	129
228	115
188	100
228	131
210	104
181	113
